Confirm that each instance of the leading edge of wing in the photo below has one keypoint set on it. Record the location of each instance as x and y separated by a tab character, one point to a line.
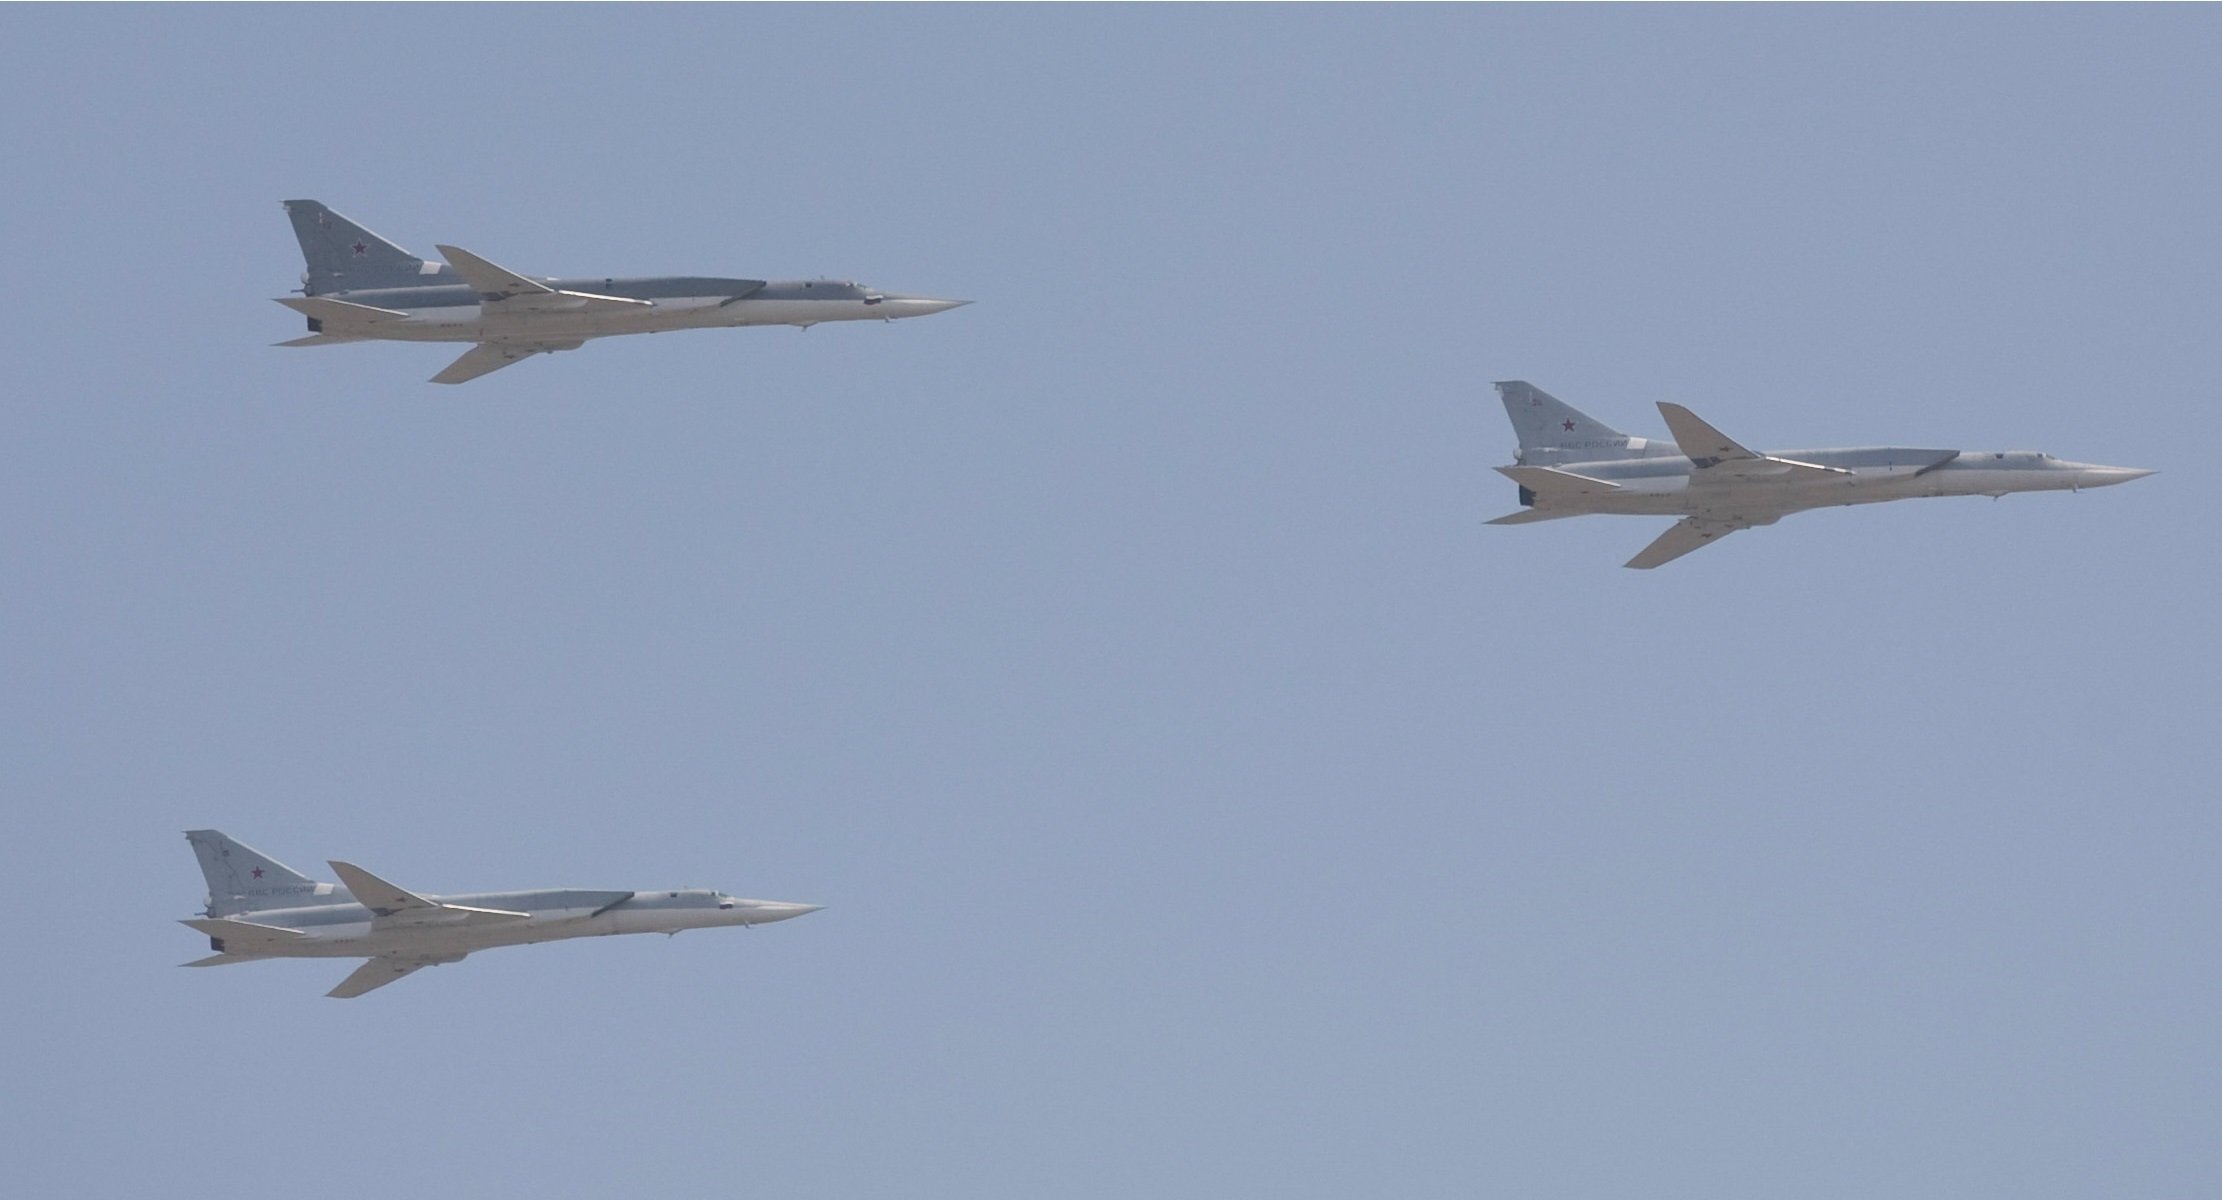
380	897
376	973
391	904
491	281
1719	458
488	357
1682	537
1699	442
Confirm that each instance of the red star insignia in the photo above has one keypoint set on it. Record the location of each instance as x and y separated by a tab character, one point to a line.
1567	425
258	872
361	249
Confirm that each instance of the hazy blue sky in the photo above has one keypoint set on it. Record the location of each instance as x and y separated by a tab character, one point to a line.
1206	803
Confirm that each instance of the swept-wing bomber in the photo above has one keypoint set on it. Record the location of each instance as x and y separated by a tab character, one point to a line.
1570	464
259	908
361	287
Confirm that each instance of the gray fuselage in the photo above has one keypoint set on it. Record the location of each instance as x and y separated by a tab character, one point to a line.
448	310
1658	481
336	926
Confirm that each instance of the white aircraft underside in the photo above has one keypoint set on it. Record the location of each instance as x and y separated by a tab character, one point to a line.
1717	486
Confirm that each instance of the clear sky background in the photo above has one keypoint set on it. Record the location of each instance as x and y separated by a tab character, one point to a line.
1206	804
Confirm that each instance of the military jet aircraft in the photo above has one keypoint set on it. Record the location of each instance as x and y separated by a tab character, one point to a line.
1571	464
259	908
361	287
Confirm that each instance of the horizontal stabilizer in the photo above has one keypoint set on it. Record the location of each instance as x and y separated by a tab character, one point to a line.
245	937
318	339
491	282
1548	482
222	960
324	308
1529	516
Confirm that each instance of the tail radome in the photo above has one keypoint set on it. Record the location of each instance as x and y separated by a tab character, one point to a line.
243	879
343	256
1549	425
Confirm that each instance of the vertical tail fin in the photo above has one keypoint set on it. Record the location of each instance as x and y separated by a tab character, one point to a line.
242	879
343	256
1546	423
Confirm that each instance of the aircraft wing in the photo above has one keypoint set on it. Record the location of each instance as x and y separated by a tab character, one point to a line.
380	897
491	282
503	292
1682	537
1719	458
391	904
377	972
1700	443
488	357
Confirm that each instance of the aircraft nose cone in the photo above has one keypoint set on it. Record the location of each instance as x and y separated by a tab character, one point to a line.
2105	476
919	306
765	911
